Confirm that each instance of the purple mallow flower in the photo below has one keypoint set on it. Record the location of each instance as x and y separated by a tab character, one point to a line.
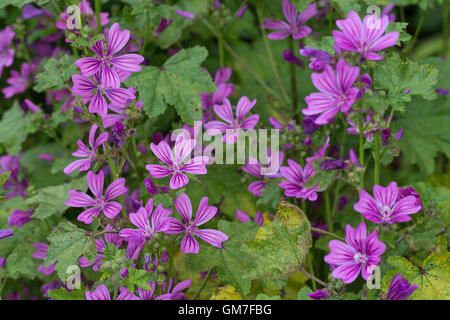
186	14
296	179
364	37
409	191
108	64
255	168
162	26
102	293
290	57
333	164
336	92
204	213
232	127
294	24
243	217
18	82
41	253
87	14
6	54
16	187
19	217
359	253
400	288
102	203
6	233
175	159
386	207
85	87
319	294
83	151
442	92
241	11
319	58
149	222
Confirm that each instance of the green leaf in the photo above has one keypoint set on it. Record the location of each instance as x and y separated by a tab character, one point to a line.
432	277
230	262
14	129
280	246
21	263
303	293
67	244
271	196
301	5
16	3
139	278
63	294
395	76
178	83
427	131
400	27
50	200
262	296
56	73
346	6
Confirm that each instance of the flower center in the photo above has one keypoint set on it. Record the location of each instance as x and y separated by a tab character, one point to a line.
360	258
386	213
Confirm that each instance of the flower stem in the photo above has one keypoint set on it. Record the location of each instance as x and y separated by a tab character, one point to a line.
272	60
377	158
312	277
445	12
98	9
361	148
417	32
205	280
327	233
242	62
311	269
293	79
221	51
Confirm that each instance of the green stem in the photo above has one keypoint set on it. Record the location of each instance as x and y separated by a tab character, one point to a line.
327	233
445	27
377	158
311	270
328	210
272	60
293	79
98	9
221	51
205	280
242	62
361	148
135	159
416	34
312	277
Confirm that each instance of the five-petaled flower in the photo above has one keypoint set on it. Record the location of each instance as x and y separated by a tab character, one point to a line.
359	253
175	159
386	207
204	213
102	203
93	91
83	151
295	22
336	92
149	222
364	37
233	126
108	64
